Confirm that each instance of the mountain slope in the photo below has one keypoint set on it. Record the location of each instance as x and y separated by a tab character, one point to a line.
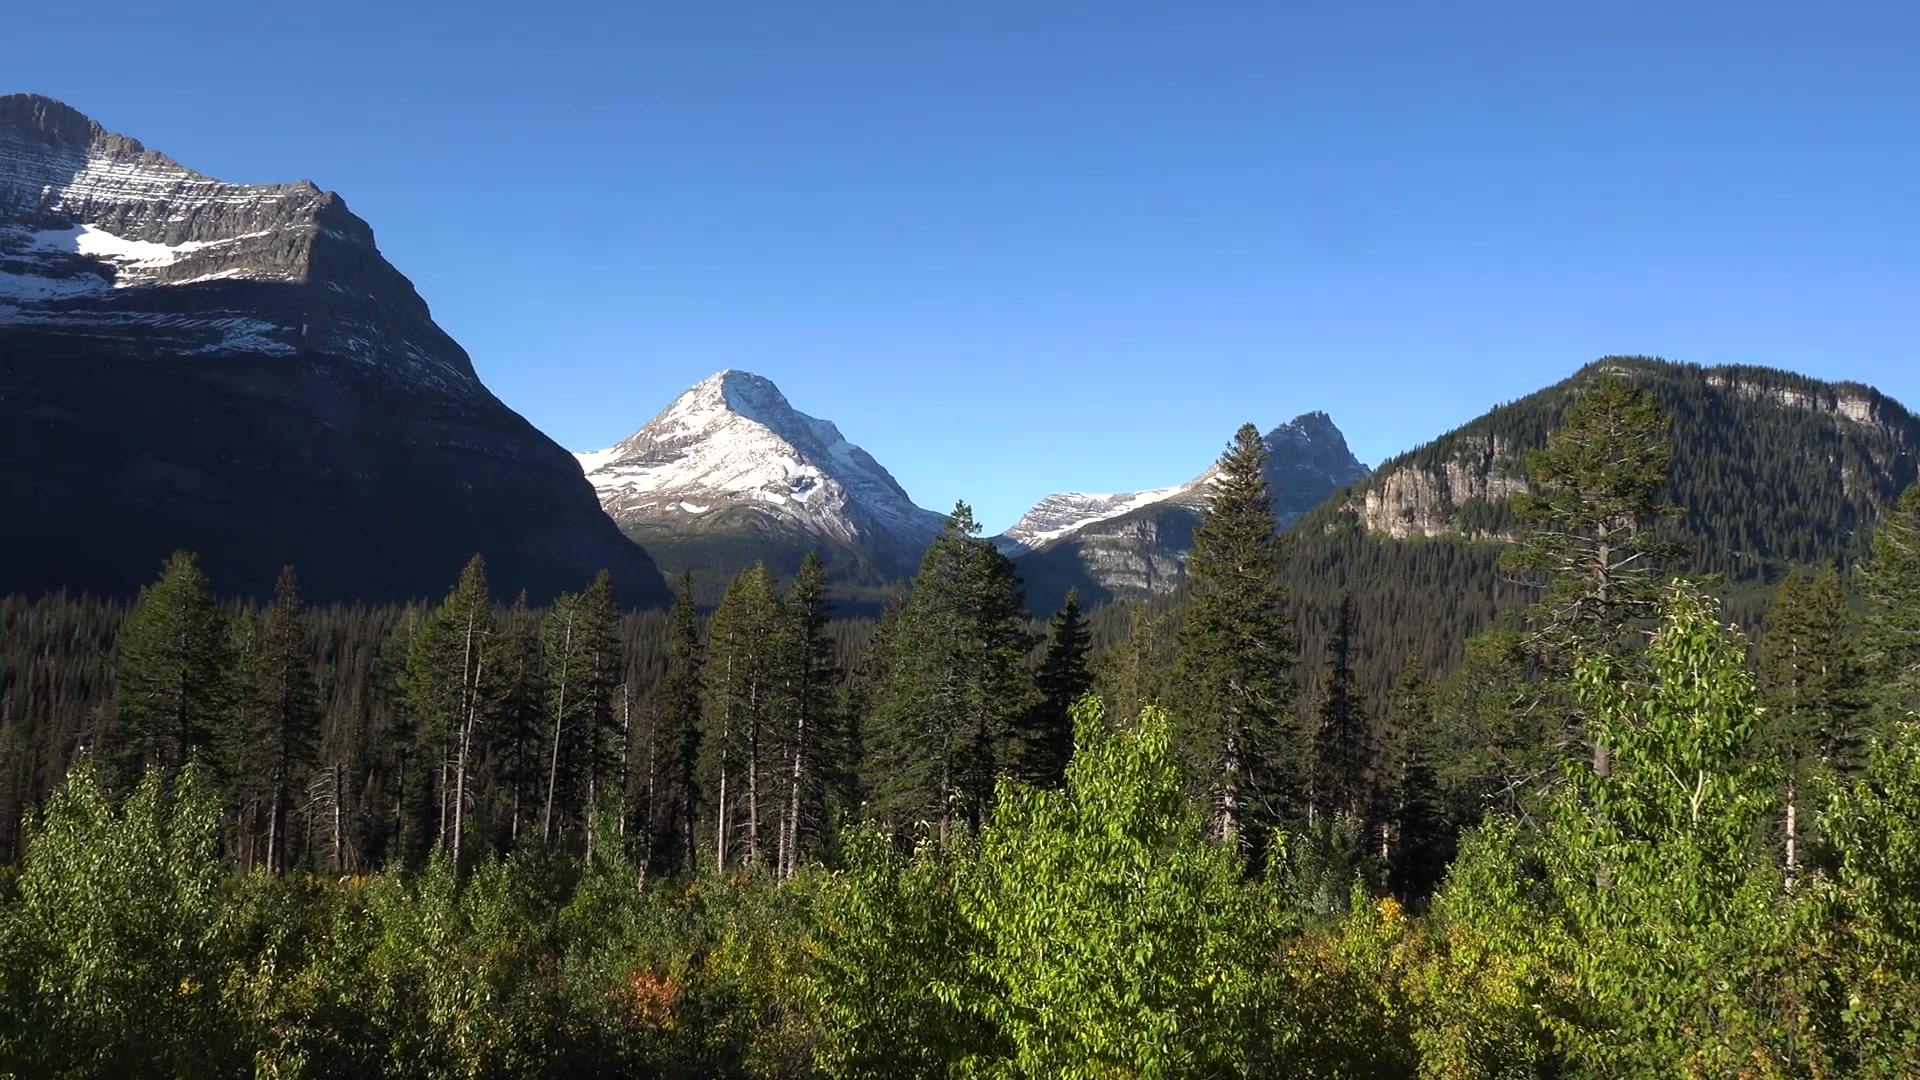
730	473
1135	545
1774	470
235	369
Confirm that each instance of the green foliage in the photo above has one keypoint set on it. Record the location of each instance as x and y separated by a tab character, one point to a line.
1118	939
115	943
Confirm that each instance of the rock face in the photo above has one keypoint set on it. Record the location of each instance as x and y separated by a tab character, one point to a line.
1136	544
730	473
235	369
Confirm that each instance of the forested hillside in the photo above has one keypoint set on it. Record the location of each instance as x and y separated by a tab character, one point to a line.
1619	838
1772	471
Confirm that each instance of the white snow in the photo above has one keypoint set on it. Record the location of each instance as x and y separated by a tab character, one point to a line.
1068	512
693	509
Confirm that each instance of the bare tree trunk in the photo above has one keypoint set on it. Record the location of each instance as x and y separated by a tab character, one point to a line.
1793	821
720	825
470	710
790	845
559	722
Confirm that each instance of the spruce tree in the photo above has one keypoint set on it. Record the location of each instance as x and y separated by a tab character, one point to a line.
516	739
1233	686
1343	750
287	712
171	670
446	692
1890	585
1589	530
1062	680
600	617
580	667
1589	520
1410	818
671	792
744	701
956	685
810	733
1812	695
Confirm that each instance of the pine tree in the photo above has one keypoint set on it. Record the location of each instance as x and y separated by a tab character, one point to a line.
581	666
809	733
743	704
517	737
673	734
1812	694
1062	680
956	685
600	617
1343	743
446	686
171	670
1589	528
1233	676
287	712
1890	585
1410	815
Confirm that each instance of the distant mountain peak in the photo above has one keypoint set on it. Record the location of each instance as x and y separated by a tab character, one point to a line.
1307	459
731	453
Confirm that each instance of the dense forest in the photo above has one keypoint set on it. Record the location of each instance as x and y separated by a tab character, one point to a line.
1606	833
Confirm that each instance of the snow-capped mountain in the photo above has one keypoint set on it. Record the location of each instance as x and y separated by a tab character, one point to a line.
731	472
1067	512
235	369
1137	543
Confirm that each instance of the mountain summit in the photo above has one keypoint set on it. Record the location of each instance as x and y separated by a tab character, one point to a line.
236	370
731	472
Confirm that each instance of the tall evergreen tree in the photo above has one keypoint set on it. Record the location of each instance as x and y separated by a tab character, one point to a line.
1811	692
956	685
1890	585
1410	816
1343	743
810	735
671	790
580	667
287	712
446	691
171	669
1062	679
600	616
1233	676
744	702
518	736
1589	528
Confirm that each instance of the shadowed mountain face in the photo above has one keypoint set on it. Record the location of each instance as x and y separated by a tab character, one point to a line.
235	370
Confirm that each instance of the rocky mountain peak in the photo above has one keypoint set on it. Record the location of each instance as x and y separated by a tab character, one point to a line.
100	236
731	452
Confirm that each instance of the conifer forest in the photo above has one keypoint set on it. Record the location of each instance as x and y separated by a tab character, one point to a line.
1642	818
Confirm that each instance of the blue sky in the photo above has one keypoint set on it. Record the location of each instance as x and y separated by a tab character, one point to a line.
1018	248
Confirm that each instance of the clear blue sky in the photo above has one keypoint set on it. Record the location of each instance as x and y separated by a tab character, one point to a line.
1017	248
